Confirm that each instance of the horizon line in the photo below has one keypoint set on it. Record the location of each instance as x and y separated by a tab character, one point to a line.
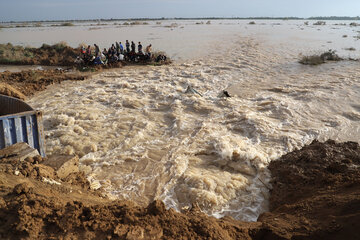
195	18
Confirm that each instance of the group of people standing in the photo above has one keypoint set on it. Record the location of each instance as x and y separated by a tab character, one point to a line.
116	52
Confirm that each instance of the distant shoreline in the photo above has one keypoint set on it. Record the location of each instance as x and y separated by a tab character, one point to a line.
343	18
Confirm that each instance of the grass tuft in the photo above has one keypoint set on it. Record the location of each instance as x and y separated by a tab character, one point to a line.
350	49
319	23
67	24
320	59
354	24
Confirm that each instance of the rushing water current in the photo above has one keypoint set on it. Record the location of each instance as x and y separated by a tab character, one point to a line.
144	137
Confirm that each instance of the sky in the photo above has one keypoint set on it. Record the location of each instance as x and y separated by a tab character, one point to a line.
35	10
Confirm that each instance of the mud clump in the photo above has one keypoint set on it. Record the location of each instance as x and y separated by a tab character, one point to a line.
6	89
317	167
316	193
78	179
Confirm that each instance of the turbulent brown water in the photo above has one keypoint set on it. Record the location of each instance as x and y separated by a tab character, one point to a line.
144	137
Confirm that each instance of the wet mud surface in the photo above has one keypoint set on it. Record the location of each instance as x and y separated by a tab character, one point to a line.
315	195
26	83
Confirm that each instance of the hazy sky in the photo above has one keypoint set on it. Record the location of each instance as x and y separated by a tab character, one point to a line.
19	10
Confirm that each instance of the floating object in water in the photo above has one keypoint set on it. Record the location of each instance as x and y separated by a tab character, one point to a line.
189	89
224	93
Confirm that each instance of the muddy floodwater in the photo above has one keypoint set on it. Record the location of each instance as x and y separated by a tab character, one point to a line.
142	136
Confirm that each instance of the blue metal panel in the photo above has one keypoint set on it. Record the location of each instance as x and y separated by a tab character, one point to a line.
12	130
29	130
23	129
20	126
19	136
7	133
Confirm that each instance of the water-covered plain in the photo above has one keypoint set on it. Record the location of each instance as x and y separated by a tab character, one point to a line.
143	137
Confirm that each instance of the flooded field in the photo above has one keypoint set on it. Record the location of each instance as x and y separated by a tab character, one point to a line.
144	137
189	39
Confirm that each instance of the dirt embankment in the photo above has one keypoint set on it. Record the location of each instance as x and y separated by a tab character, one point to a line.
26	83
50	55
315	195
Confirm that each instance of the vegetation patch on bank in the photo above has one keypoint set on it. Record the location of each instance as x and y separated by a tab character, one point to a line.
318	59
59	54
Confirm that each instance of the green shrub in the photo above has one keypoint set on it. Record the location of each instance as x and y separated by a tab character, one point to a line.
320	23
350	49
354	24
86	69
135	23
45	46
28	54
59	46
67	24
7	61
320	59
330	56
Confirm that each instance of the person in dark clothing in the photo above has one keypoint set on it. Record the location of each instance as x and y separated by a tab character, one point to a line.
140	48
133	47
127	44
88	52
105	52
97	50
113	50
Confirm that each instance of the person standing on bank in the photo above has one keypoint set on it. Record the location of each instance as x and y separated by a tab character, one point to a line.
121	48
133	46
140	48
148	50
127	44
97	50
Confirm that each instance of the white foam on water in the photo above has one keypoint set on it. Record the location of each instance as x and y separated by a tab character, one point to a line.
141	137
